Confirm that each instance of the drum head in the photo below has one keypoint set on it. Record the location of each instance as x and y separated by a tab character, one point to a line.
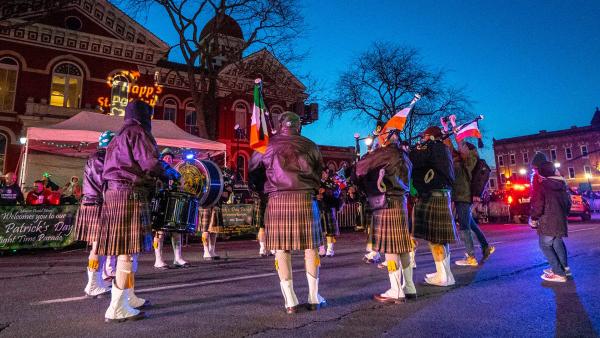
203	179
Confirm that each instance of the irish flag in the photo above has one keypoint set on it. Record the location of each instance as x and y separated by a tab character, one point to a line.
468	130
259	134
398	120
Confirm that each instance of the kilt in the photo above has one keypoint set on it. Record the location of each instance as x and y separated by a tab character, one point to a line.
87	223
329	222
390	228
125	222
292	222
433	220
211	220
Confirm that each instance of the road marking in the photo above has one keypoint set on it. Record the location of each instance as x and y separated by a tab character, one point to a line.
578	230
168	287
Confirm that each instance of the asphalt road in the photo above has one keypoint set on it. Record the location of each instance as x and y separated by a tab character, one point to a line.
40	294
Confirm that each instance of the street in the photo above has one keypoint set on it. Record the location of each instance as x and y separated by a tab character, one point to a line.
41	294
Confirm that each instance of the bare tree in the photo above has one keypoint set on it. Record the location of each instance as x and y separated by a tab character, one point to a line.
269	24
30	10
384	79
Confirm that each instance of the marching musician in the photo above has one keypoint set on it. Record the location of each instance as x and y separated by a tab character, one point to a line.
433	176
329	203
293	167
130	170
211	223
166	157
384	176
87	224
256	183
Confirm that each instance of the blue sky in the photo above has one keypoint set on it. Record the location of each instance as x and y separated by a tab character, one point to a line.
527	65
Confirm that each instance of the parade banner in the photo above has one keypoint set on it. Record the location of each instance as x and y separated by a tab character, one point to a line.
34	227
237	219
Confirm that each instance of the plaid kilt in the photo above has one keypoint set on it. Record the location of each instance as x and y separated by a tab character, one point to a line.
210	220
87	223
433	220
329	221
292	222
390	228
125	222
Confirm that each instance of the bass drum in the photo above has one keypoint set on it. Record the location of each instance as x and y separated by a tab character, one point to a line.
202	178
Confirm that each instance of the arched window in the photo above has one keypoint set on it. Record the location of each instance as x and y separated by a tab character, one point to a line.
241	117
67	81
9	69
3	143
170	110
191	119
119	95
275	117
241	167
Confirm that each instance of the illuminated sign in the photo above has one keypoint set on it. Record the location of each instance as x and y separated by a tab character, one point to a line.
124	89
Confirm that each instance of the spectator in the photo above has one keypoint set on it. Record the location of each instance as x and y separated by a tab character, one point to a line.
550	207
39	195
71	192
48	183
10	193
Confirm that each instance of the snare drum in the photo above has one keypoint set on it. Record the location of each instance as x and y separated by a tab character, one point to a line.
175	211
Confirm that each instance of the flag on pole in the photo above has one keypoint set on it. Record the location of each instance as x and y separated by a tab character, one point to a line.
398	120
468	130
259	134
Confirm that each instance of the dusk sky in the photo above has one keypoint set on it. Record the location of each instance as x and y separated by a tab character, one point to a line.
527	65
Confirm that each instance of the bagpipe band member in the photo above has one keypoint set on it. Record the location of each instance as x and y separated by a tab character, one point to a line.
130	170
87	223
433	176
166	156
329	203
293	167
384	176
211	224
256	184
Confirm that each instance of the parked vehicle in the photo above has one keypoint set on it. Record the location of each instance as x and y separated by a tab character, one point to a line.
580	207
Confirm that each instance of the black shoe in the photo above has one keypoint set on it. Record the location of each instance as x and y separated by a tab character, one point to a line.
314	307
139	316
164	267
410	296
181	266
291	310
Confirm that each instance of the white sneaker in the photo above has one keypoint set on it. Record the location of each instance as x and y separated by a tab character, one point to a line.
552	277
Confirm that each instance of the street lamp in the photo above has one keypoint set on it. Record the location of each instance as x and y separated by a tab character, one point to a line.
522	171
369	142
23	140
556	165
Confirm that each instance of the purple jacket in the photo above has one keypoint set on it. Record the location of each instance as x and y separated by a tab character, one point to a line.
132	158
92	178
291	162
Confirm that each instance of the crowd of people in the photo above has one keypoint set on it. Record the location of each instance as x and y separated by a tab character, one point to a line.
408	193
43	192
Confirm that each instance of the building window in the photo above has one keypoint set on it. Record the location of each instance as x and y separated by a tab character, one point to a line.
571	172
568	153
3	143
119	95
241	168
552	154
191	119
492	183
513	161
241	117
170	110
584	151
275	113
587	170
9	69
500	160
525	157
65	91
502	179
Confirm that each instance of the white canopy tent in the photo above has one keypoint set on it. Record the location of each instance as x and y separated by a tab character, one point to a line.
84	129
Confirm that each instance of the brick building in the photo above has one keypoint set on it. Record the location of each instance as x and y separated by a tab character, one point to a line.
91	56
575	151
